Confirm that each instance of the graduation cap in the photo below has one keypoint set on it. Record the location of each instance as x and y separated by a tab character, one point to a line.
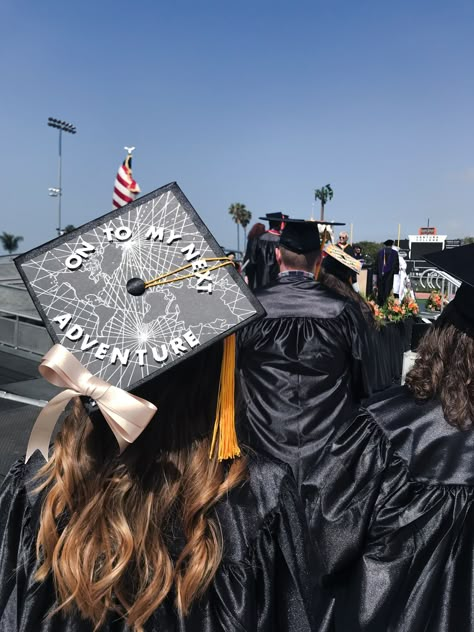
459	263
138	290
276	220
302	235
339	257
274	217
388	242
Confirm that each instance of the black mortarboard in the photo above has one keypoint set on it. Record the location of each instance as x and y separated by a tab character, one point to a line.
388	242
459	263
137	290
302	235
275	220
274	217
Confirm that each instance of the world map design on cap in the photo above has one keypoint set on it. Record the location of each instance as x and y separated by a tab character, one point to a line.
137	290
342	257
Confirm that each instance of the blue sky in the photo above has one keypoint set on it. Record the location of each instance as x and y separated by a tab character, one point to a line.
254	101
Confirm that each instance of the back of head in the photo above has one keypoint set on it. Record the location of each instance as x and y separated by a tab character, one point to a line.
305	261
343	287
125	509
444	369
337	269
275	220
256	230
275	225
300	245
445	364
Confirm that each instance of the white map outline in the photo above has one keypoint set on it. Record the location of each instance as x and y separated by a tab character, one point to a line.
110	314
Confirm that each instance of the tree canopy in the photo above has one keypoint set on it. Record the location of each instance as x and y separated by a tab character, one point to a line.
241	216
10	242
324	194
370	249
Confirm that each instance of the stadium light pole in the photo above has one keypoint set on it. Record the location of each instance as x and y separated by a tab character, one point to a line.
62	126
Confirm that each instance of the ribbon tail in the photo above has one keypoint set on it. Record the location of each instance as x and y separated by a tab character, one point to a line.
40	436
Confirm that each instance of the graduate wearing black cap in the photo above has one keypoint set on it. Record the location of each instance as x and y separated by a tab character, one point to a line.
391	505
264	260
387	266
148	514
304	366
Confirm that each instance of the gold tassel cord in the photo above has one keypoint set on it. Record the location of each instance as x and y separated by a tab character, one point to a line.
163	280
224	426
318	265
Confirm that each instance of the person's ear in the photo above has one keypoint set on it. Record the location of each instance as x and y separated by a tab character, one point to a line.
278	256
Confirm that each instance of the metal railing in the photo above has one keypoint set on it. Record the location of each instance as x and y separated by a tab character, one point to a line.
434	279
25	332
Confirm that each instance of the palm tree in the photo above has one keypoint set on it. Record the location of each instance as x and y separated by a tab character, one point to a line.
324	194
244	221
10	242
241	216
69	228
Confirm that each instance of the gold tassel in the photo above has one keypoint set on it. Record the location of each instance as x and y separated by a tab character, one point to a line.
320	261
224	425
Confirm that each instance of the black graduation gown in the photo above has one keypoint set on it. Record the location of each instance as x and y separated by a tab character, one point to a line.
302	369
262	585
249	264
391	512
266	266
388	266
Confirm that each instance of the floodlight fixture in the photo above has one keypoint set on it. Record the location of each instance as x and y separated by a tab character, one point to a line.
63	126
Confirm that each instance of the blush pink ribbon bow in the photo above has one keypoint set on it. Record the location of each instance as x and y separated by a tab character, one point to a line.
126	414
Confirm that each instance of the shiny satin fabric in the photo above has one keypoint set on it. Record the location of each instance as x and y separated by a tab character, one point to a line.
266	266
264	583
250	263
387	267
391	514
387	347
302	369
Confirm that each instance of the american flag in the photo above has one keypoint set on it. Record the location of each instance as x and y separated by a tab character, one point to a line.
125	187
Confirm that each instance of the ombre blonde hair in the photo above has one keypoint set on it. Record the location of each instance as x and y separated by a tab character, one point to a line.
108	522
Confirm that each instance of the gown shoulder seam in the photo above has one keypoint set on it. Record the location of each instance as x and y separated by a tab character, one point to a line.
395	456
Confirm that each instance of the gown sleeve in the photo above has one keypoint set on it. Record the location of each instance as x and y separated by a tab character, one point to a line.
342	494
250	262
343	497
16	541
359	345
283	568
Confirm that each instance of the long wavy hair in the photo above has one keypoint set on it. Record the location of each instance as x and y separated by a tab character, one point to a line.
256	230
342	285
444	369
120	533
